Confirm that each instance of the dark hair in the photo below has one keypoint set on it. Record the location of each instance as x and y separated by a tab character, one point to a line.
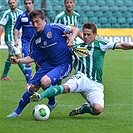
90	25
35	13
30	0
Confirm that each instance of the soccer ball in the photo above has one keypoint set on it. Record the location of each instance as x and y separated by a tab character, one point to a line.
41	112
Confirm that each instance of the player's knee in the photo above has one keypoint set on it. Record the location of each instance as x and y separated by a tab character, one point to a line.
34	88
18	56
45	82
97	109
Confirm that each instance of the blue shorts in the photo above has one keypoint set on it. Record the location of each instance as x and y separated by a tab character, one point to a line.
55	73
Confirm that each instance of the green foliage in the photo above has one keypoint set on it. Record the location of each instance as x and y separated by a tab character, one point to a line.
116	116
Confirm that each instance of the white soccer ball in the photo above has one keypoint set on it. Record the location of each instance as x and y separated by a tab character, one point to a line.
41	112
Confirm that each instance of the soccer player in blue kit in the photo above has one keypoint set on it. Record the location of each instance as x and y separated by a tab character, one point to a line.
28	31
49	49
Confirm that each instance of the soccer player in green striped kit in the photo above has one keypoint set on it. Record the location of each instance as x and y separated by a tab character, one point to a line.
8	20
69	16
88	77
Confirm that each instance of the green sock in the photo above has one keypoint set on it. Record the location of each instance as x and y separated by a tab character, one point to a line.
7	68
88	109
22	66
52	91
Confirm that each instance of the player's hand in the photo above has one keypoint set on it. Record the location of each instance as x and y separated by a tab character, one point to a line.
16	44
13	60
71	43
67	37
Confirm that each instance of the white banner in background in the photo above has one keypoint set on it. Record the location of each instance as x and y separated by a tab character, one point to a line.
117	35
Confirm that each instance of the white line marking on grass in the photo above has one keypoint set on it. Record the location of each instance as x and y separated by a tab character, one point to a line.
73	105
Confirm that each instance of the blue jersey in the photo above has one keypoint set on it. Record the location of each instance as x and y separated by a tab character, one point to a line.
28	30
50	46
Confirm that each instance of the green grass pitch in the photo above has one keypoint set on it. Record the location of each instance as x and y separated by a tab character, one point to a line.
116	117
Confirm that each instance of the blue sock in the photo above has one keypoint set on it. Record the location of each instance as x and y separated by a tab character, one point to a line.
51	101
28	72
24	101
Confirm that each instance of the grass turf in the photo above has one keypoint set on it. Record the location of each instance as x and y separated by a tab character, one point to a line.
116	116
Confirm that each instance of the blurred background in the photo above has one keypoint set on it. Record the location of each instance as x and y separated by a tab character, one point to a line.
105	13
114	18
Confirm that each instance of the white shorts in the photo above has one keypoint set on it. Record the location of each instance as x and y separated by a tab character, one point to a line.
91	90
12	50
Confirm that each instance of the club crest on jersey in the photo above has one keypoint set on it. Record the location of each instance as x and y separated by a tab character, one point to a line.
38	40
49	34
45	43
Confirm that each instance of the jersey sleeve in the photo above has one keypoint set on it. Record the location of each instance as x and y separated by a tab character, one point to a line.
109	45
105	44
4	19
56	20
18	23
32	52
67	29
63	28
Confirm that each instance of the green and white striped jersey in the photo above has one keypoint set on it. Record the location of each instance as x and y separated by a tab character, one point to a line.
92	65
63	18
8	20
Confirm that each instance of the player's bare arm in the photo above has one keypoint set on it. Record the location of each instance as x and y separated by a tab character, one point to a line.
124	46
71	43
25	60
75	32
127	45
16	32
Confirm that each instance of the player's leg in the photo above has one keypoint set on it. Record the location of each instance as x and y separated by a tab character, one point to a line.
56	90
51	100
25	98
51	103
22	103
94	109
77	83
70	84
28	68
48	93
46	83
12	50
95	98
55	75
6	69
7	64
